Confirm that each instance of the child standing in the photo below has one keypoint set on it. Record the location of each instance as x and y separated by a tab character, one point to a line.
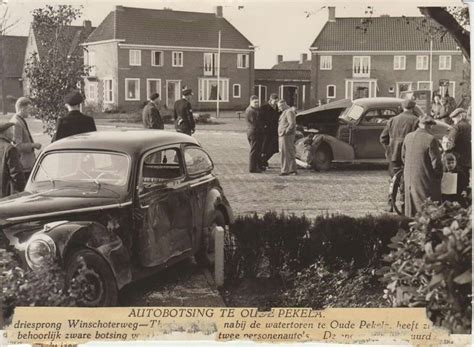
462	181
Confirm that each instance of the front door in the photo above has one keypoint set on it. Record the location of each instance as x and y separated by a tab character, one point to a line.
290	95
166	209
173	92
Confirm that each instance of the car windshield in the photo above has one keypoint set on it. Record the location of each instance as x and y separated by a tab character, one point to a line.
353	113
74	166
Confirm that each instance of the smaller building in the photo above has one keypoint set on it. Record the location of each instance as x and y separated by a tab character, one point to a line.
291	80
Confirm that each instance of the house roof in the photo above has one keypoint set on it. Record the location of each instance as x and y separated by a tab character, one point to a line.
279	74
383	34
15	47
168	28
293	65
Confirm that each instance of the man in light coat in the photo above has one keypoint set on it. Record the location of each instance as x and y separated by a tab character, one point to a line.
254	135
286	134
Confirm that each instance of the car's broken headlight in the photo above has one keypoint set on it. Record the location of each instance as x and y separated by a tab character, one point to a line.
41	250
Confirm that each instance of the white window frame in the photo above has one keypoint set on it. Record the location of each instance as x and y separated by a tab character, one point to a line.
241	62
178	96
420	62
137	90
148	92
262	90
282	87
451	83
361	58
153	62
349	87
135	57
204	84
397	89
443	62
233	90
92	96
213	67
420	82
327	91
399	62
177	62
325	62
106	91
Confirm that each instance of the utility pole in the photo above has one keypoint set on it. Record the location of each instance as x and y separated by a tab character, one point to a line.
218	73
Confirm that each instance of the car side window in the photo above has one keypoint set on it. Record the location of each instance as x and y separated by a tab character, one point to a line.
162	166
378	116
197	161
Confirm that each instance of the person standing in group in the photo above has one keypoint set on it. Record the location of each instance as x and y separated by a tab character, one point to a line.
392	139
22	137
460	136
436	106
74	122
423	169
151	114
287	133
254	135
444	111
12	179
269	114
183	114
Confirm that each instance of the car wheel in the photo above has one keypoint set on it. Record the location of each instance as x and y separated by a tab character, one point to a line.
322	158
90	276
206	254
397	198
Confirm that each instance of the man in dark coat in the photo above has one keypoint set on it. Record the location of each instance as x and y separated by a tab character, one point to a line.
183	114
74	122
12	179
151	115
460	136
254	135
269	115
423	169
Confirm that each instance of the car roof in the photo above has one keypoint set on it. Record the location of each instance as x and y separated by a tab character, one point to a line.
124	140
378	102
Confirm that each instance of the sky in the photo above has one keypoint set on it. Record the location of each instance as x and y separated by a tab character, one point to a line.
273	26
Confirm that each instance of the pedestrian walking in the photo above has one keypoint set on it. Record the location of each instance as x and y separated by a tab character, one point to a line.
151	114
183	113
423	169
460	136
22	137
287	133
75	122
269	114
12	179
254	135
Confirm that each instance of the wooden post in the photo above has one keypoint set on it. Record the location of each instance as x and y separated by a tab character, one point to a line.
219	256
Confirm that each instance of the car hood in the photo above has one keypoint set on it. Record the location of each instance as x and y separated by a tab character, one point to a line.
56	201
324	113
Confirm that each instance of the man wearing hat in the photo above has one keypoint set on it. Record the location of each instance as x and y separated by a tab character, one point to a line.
151	114
74	122
183	113
393	135
423	169
12	179
460	135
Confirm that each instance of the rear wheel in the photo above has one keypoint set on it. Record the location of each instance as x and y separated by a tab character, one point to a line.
206	254
322	158
397	198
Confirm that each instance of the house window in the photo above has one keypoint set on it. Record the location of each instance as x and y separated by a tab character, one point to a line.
399	62
91	63
331	91
208	89
422	62
361	66
325	62
424	85
92	91
156	58
243	61
132	89
177	58
236	90
403	87
447	88
362	88
135	57
445	62
153	85
108	91
210	64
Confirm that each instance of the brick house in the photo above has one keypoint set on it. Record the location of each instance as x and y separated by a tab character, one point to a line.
11	66
135	52
390	57
290	79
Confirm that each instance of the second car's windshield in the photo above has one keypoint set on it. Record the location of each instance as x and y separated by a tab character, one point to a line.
94	167
353	113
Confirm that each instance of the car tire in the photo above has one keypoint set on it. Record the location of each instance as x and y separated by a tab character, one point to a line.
321	158
205	256
95	282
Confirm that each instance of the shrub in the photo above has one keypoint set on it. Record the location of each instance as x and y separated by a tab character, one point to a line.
430	266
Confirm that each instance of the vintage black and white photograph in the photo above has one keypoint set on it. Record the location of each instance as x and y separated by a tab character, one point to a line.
259	154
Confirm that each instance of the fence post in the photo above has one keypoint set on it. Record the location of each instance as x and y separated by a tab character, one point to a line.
219	256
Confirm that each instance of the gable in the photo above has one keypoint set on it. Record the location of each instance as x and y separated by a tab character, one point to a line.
15	47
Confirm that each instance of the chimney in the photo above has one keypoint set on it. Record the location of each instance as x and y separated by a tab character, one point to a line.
303	58
87	24
119	8
279	58
331	14
219	12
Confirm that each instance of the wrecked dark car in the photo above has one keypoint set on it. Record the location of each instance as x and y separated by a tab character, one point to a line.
348	131
125	203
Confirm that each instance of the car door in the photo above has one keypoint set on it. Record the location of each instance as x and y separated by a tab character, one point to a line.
166	214
365	136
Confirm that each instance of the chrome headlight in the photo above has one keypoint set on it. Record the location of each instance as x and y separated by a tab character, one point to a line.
40	250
